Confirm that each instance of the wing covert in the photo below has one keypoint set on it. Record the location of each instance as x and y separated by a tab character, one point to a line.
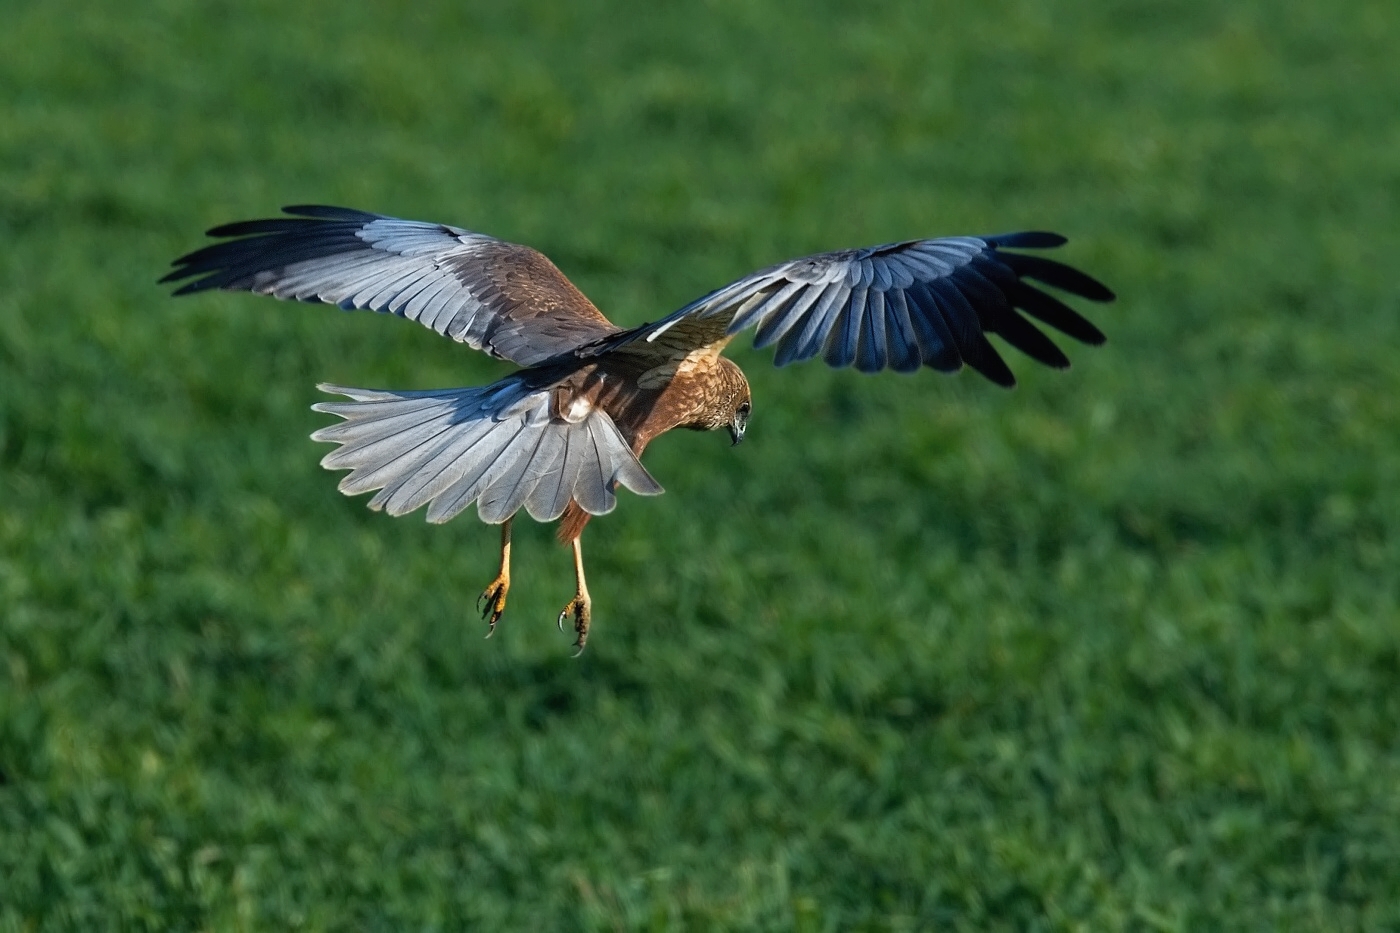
502	298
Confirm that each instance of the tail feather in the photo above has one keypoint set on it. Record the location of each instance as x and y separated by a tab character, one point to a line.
592	469
465	489
418	487
496	445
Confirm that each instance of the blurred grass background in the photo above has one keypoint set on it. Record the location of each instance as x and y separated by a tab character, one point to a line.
1118	650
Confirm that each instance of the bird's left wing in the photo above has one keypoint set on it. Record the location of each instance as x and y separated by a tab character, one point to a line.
502	298
898	306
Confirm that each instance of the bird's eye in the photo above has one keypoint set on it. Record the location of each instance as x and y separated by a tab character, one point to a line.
744	408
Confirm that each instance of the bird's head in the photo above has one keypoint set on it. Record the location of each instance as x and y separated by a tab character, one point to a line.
739	423
723	401
738	400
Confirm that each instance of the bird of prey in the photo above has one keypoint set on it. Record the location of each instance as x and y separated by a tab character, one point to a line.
559	435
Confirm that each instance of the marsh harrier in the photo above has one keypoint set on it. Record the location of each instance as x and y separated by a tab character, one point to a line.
558	436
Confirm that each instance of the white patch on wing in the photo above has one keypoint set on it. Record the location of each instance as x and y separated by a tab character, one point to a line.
578	410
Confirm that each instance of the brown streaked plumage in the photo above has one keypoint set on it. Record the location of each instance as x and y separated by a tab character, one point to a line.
558	436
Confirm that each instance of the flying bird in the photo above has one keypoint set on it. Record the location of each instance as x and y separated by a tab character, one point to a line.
561	434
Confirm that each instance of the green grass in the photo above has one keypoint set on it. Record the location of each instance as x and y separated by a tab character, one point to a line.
1119	650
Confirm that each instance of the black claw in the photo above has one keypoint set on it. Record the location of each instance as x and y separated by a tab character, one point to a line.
492	611
578	609
491	598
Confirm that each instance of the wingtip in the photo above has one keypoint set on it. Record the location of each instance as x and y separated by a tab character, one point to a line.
998	374
189	288
1091	289
1027	239
227	229
331	212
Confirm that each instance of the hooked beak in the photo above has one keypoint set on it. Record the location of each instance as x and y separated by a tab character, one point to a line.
739	424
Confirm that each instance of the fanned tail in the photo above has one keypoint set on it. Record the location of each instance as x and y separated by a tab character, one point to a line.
495	445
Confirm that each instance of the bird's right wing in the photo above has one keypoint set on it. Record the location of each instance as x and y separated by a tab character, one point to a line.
507	300
897	306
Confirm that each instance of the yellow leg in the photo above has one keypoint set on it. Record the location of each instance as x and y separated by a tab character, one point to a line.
581	606
494	596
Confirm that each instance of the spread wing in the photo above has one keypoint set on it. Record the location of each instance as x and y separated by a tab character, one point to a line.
505	299
898	306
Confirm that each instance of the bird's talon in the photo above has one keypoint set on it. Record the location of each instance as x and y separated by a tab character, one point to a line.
581	608
492	603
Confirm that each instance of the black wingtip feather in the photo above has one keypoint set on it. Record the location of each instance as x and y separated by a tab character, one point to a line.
1027	239
301	217
246	227
329	212
994	368
1057	274
1026	337
1054	312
